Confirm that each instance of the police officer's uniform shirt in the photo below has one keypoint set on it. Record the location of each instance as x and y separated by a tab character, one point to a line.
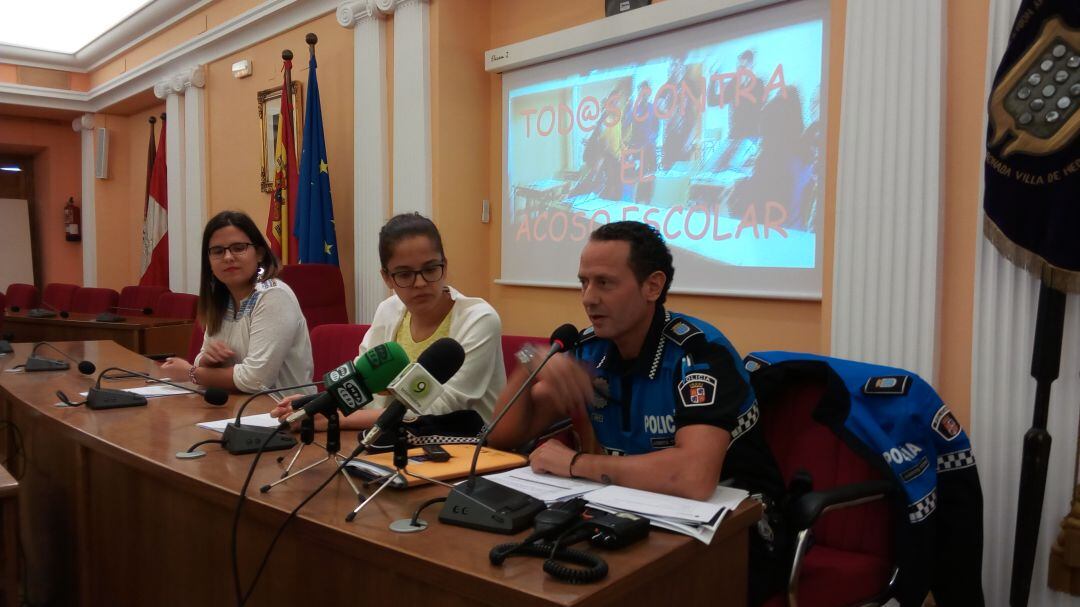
687	373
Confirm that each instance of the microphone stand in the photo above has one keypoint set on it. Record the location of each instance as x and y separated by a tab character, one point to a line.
479	503
333	446
401	462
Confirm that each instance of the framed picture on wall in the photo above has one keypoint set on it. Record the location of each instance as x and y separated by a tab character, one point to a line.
269	119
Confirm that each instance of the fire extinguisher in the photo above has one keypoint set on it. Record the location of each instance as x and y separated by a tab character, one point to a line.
72	221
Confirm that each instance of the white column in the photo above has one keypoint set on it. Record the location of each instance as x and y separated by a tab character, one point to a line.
412	107
1003	391
370	143
84	125
889	194
193	82
176	171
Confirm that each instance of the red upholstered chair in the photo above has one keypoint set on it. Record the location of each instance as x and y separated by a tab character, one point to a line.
58	295
320	291
332	345
844	557
511	344
94	300
139	297
22	296
176	305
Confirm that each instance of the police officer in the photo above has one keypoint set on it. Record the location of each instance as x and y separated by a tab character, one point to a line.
669	402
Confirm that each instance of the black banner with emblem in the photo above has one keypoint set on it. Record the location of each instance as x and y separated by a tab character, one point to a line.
1032	196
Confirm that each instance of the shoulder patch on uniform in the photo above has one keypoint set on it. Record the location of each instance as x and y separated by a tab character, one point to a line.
586	334
887	385
945	423
697	390
753	363
679	330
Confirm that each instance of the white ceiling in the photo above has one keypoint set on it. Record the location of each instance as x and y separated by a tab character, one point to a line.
80	35
63	26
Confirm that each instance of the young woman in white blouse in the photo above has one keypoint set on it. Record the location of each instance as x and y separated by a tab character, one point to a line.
425	308
256	336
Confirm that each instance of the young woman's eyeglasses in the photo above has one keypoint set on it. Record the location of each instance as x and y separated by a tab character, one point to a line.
407	278
236	248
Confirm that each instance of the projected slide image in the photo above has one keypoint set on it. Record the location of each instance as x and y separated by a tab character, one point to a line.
717	144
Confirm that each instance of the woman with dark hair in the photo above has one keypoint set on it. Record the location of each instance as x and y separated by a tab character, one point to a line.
425	308
256	336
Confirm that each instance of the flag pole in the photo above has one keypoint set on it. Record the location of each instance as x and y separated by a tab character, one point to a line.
1045	366
150	153
286	93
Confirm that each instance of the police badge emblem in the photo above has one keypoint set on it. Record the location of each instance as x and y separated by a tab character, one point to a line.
945	423
697	390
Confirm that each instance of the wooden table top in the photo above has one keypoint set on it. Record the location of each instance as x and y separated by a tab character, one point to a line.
131	321
147	438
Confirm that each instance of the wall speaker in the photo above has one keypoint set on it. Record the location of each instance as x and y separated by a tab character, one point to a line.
101	154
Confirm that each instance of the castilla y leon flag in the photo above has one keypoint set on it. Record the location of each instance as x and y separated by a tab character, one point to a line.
283	197
155	236
1032	198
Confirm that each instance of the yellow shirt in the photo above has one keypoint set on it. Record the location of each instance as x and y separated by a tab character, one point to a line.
415	348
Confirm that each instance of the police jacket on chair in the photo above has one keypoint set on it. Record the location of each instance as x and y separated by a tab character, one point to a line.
899	424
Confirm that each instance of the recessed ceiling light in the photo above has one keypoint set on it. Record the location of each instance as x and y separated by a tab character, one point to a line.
11	169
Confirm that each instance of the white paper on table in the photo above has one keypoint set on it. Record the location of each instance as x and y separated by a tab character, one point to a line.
546	487
263	420
673	509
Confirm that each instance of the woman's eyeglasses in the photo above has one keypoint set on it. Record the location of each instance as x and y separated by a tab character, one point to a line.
407	278
236	248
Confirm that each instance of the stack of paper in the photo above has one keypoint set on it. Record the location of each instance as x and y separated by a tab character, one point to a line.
698	519
691	517
547	487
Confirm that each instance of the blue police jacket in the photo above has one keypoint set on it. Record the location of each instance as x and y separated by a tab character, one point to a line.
899	424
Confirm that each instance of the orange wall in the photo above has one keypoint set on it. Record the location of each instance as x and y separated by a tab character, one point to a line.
8	73
459	139
751	324
233	131
120	198
57	175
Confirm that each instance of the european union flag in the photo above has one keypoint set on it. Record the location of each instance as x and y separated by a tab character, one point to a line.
314	208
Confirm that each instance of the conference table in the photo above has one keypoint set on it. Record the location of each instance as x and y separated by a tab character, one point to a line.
110	516
143	334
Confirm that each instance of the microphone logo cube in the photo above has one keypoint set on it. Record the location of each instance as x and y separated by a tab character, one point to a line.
339	373
416	386
352	395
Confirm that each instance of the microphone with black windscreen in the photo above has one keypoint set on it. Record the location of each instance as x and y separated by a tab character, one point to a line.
46	311
481	504
36	363
107	398
239	438
113	317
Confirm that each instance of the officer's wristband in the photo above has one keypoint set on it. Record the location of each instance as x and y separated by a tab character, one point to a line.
572	460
